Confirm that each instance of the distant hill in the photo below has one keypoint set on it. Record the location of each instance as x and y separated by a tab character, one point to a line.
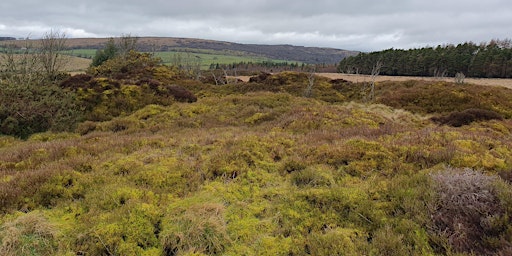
312	55
5	38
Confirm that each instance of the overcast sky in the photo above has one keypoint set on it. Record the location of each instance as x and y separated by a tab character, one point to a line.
366	25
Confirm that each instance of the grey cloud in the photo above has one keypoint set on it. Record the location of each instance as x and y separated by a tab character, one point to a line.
350	24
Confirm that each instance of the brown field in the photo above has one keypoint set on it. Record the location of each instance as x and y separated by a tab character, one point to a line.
76	64
71	64
364	78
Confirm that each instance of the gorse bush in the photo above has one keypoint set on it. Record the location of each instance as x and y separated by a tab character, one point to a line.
134	65
28	109
120	85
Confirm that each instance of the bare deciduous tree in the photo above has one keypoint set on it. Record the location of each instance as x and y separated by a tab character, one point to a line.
126	44
374	75
439	74
459	78
311	82
20	65
50	53
197	67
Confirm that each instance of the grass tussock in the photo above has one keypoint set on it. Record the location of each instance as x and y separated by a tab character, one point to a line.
28	234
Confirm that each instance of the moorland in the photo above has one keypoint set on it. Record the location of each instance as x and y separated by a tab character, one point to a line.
133	157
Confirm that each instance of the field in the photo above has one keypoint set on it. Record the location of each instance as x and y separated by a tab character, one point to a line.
72	64
366	78
191	57
206	59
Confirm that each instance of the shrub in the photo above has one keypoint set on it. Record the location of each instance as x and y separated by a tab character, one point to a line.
76	81
60	186
113	220
86	127
259	78
294	83
291	165
29	109
17	193
465	117
110	51
387	242
181	94
468	213
334	241
133	65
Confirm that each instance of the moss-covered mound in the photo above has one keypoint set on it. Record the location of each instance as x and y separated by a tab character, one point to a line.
259	173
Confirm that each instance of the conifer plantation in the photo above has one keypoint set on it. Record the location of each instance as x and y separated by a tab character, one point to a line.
484	60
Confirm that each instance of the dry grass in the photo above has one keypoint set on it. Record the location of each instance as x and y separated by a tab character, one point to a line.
30	234
76	65
468	212
198	229
366	78
72	64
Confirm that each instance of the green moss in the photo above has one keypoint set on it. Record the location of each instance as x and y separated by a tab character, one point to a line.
248	169
335	241
314	176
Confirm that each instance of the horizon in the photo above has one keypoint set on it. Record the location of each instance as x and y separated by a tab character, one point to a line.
352	25
268	44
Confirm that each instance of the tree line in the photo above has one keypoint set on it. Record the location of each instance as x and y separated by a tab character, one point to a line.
485	60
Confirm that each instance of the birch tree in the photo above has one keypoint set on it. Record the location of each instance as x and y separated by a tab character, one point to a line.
50	54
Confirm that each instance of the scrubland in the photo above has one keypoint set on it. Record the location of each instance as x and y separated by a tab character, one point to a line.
259	169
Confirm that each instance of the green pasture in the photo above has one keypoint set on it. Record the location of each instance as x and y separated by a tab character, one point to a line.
204	57
83	53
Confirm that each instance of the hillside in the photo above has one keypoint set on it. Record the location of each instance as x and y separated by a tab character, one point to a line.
163	165
312	55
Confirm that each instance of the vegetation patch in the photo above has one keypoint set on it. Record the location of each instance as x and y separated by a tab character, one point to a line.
290	164
465	117
469	212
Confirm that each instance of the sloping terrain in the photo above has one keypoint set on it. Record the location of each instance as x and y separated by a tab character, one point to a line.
150	161
257	169
311	55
